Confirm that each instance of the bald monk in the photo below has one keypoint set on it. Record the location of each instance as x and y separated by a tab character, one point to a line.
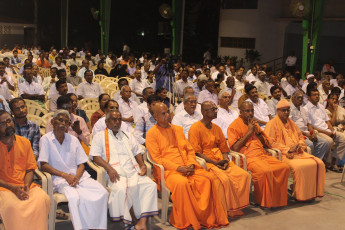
193	192
308	171
269	175
210	144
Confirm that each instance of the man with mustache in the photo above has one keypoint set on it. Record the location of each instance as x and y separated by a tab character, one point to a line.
23	205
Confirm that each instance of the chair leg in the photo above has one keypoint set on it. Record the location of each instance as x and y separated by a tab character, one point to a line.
342	177
52	215
165	204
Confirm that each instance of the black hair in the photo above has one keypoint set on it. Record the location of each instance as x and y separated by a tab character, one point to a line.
14	101
108	102
60	71
153	98
273	88
73	67
64	99
310	87
60	82
145	90
101	96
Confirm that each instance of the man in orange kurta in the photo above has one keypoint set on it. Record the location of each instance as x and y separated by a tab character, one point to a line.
193	190
308	171
210	144
23	205
269	175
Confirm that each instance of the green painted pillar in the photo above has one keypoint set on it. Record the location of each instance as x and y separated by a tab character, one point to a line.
104	23
176	25
64	23
305	26
316	30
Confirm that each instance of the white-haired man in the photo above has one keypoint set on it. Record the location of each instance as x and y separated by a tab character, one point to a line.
62	155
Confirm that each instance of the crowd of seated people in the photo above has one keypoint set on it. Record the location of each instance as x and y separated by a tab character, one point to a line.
182	114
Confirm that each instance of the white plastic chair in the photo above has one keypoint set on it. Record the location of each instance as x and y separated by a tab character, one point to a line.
57	198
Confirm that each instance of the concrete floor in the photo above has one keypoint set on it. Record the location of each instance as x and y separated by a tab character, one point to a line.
323	214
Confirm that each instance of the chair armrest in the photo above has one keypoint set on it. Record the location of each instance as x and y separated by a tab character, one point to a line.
201	162
275	153
163	185
49	185
238	157
43	178
101	173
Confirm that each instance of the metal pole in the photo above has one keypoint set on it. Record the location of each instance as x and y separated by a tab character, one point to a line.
36	22
64	21
316	24
182	27
305	26
104	24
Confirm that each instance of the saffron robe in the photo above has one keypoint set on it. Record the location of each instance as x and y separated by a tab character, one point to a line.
195	199
308	171
235	181
269	175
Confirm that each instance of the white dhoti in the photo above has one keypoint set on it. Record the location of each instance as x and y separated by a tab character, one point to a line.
87	204
139	192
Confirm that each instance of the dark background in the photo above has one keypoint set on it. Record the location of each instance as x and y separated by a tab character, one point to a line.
128	20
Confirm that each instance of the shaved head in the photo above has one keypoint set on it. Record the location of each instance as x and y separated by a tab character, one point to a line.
209	110
161	114
206	105
245	104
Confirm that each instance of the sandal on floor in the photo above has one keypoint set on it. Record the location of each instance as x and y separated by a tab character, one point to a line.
61	216
336	169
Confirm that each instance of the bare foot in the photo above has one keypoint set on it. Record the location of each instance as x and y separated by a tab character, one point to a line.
141	225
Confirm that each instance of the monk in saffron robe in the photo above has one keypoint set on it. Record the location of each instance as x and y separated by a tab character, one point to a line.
210	144
23	204
269	175
193	192
308	171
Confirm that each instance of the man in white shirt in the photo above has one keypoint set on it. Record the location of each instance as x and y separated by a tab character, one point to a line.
6	78
252	77
5	83
100	125
182	83
127	106
310	78
138	84
89	89
122	82
86	66
292	86
234	93
226	113
274	81
121	156
61	87
59	64
221	69
62	155
15	59
321	122
35	71
239	81
199	85
191	74
61	75
260	84
319	146
187	117
49	81
144	119
261	111
73	60
209	93
324	90
180	107
272	103
30	89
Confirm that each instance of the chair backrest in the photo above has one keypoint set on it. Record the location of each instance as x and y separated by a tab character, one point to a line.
29	102
92	106
86	101
112	86
111	92
38	120
89	114
36	110
100	77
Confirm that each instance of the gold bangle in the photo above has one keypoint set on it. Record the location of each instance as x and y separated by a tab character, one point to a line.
62	174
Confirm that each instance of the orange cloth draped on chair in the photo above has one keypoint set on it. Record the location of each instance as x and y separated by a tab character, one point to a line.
195	199
308	171
235	181
269	175
30	214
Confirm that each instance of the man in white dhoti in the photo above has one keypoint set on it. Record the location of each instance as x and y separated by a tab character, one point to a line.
120	155
62	155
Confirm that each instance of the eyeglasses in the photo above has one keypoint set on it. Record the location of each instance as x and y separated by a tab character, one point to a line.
4	123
